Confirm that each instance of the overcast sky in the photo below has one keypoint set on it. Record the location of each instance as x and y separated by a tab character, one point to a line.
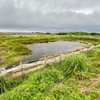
50	15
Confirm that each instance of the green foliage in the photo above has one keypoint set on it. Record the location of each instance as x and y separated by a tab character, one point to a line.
94	34
78	96
74	64
94	53
3	85
8	84
95	95
12	54
50	83
72	33
94	58
14	44
36	85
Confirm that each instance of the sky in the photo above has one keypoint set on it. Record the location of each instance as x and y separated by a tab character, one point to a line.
50	15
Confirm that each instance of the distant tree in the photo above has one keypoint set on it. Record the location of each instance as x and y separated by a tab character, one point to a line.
62	33
48	33
93	34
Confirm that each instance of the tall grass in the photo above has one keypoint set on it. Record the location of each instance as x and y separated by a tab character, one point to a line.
50	83
74	64
15	46
94	53
94	58
3	85
7	84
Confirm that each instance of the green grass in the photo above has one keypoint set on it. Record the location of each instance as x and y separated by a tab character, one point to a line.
75	63
94	53
51	82
13	46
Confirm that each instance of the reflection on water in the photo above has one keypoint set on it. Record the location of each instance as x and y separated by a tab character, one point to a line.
40	49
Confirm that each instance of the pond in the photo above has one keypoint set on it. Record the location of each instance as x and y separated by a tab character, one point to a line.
40	49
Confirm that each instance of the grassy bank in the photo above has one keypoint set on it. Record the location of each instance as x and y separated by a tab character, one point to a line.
71	79
13	47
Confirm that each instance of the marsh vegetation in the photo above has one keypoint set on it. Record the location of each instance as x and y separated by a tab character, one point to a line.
13	46
70	79
77	77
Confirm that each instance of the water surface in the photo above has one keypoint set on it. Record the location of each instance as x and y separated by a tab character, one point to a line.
40	49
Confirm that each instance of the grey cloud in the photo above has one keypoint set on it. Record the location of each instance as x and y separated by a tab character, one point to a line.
50	14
